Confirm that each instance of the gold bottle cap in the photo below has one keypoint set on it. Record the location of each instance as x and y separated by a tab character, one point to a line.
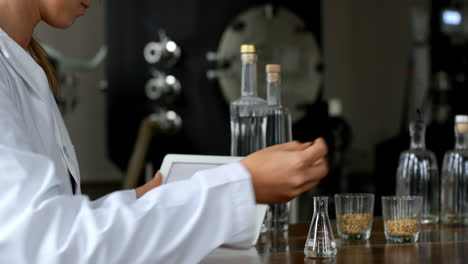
248	49
273	68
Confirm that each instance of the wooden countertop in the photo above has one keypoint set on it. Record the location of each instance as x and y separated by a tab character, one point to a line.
438	243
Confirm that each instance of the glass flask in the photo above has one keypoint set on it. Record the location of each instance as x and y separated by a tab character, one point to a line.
248	113
418	174
279	130
455	176
320	240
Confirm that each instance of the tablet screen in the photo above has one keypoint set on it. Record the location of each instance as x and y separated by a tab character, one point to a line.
180	171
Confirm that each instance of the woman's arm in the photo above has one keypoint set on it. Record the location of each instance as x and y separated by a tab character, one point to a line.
176	223
129	196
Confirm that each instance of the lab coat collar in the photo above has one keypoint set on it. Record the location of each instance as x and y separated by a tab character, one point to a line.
24	65
33	74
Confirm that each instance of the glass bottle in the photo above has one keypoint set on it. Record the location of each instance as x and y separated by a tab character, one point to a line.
279	130
320	241
418	174
455	176
248	113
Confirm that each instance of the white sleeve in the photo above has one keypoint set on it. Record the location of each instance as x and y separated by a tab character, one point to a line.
176	223
126	196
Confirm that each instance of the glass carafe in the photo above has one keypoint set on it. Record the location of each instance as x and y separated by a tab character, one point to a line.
418	174
320	240
455	176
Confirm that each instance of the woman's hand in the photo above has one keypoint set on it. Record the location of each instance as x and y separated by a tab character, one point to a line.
155	182
282	172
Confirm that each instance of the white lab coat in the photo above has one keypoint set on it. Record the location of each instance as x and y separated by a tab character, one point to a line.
41	221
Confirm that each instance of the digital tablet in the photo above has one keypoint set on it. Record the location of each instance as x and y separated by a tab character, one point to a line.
177	167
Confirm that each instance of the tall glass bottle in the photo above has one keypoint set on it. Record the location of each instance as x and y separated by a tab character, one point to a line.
279	127
455	176
279	130
418	174
248	113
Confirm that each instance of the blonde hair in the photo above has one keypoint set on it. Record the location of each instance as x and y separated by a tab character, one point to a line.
40	56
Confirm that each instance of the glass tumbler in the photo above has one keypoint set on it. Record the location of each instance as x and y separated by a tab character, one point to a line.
402	218
354	215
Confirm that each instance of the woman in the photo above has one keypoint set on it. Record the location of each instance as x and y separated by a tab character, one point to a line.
41	221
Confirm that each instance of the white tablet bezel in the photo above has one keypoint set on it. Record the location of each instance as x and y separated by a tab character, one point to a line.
170	159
